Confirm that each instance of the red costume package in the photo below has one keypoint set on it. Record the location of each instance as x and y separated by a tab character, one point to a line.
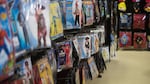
125	39
139	40
147	0
139	21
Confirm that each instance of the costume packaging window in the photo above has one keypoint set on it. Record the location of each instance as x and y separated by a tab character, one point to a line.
93	68
125	39
84	41
139	21
38	23
23	70
105	53
64	56
7	57
73	14
88	12
94	43
45	72
140	40
125	21
56	26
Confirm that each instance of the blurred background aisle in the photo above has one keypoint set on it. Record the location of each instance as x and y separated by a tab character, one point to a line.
130	67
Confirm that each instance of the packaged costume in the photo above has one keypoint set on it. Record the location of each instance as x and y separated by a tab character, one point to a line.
73	14
125	21
139	21
62	4
93	68
148	44
125	39
94	43
105	53
38	14
45	71
84	42
19	24
7	57
23	70
64	56
140	40
88	13
56	26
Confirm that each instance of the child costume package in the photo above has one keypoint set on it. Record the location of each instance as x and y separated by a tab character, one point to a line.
94	43
105	53
24	72
18	23
93	68
52	61
88	12
84	41
140	40
139	21
45	72
56	26
6	42
125	20
64	54
73	14
38	23
62	4
125	39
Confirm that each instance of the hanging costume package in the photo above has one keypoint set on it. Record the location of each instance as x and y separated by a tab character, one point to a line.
94	43
96	11
36	74
84	42
140	40
93	68
56	26
64	56
52	62
23	70
38	23
19	24
125	21
88	12
62	4
7	56
73	14
105	53
139	21
125	39
45	72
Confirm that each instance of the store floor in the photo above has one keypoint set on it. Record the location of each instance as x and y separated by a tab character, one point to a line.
130	67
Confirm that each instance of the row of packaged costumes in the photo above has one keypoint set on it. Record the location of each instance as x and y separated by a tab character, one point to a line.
85	44
139	21
136	6
30	24
139	40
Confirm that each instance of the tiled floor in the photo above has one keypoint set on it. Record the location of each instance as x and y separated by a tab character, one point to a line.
130	67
